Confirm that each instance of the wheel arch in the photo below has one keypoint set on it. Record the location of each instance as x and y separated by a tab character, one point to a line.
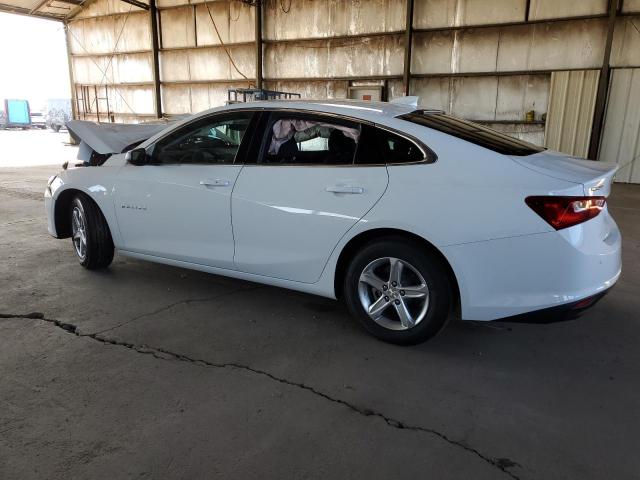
353	245
61	211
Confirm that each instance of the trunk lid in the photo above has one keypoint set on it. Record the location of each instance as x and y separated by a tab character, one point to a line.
594	176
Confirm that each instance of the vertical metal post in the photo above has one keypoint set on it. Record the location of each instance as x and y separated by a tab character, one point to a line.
258	40
603	84
72	83
95	94
86	101
106	96
153	18
408	39
195	26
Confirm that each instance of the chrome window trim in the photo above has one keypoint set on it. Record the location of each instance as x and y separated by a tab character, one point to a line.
429	155
305	112
150	149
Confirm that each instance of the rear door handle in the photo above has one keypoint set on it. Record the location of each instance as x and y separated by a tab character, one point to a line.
345	189
215	183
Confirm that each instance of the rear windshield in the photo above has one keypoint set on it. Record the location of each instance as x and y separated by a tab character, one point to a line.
474	133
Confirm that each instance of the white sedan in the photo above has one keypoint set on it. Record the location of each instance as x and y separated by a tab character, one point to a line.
406	214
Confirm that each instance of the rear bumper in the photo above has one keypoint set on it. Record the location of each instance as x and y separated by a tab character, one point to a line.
561	313
519	275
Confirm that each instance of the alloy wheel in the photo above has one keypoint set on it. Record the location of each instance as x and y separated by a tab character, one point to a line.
79	233
393	293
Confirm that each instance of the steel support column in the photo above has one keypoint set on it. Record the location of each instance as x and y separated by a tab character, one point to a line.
603	84
258	42
72	83
153	19
408	39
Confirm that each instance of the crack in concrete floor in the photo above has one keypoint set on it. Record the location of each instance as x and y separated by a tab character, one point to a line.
502	464
170	306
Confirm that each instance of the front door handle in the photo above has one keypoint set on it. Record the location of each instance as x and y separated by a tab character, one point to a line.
218	182
345	189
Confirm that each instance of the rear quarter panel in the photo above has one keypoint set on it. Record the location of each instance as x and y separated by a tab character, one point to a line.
468	194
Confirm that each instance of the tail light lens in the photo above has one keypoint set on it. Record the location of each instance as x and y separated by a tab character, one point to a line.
564	212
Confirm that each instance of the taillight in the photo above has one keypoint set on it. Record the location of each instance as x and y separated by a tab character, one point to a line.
563	212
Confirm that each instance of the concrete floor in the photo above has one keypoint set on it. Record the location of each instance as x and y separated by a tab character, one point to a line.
151	371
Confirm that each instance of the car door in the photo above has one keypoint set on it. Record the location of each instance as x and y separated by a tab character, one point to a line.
178	205
301	194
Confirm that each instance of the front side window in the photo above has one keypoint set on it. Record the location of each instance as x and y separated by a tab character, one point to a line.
311	141
473	132
209	141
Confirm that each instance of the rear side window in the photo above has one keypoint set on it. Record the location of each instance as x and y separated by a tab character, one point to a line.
310	140
474	133
379	146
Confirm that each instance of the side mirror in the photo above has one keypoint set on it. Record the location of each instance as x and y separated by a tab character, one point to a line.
137	156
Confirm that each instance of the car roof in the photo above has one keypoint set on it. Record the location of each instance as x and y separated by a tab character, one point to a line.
372	111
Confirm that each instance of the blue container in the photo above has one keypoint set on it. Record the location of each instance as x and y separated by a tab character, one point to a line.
17	113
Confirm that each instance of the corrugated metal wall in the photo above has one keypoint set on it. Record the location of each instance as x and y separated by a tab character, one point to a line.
571	105
621	135
110	48
488	60
195	67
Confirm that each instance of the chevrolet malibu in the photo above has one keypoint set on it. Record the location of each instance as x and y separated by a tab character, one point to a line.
406	214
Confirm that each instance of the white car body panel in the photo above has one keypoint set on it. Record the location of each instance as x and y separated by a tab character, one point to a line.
596	177
305	220
166	211
289	231
533	272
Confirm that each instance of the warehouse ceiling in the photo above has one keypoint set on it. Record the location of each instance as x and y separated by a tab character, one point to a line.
53	9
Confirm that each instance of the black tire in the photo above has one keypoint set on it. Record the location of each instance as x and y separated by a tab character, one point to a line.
430	267
98	252
56	128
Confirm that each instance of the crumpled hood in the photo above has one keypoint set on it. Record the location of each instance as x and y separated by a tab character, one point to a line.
109	138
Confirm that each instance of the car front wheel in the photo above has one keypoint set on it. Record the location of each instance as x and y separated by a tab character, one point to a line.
399	292
90	234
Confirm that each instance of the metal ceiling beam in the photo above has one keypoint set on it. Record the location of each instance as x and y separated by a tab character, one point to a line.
71	2
38	6
136	3
44	2
603	83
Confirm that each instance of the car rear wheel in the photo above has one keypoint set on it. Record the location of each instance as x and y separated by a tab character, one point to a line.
90	234
399	292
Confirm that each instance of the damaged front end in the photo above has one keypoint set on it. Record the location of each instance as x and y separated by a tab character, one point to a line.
98	141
